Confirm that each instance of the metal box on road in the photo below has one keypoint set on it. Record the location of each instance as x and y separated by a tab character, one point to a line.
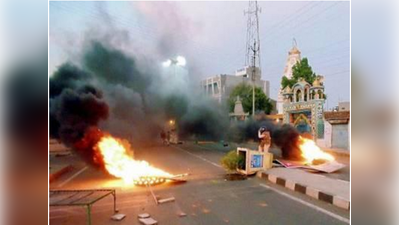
254	161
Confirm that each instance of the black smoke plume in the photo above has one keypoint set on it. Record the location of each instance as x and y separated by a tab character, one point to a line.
75	106
114	91
285	136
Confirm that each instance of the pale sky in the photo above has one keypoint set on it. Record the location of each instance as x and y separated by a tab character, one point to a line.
211	35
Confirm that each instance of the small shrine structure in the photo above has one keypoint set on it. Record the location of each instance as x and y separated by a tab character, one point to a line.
303	106
238	114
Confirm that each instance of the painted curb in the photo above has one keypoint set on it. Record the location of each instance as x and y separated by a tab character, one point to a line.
312	192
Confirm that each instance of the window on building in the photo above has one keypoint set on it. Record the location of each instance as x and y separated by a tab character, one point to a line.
215	86
209	89
298	95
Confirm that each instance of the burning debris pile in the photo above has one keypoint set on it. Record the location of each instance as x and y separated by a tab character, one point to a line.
312	153
311	158
120	163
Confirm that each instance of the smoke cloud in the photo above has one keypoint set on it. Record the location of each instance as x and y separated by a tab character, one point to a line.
284	136
125	91
114	91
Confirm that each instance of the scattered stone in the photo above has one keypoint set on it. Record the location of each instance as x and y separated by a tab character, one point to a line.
143	215
182	214
165	200
118	217
148	221
206	211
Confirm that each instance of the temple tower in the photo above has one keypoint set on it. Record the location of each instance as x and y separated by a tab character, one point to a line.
294	56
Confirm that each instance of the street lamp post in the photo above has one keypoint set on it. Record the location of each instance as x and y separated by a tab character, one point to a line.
178	61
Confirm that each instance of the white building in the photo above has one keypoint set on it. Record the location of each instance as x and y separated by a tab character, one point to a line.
294	56
344	106
220	86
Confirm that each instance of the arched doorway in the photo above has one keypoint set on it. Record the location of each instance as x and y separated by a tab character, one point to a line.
302	124
298	95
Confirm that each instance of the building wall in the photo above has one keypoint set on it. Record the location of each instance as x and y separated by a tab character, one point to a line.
220	86
343	106
327	135
340	136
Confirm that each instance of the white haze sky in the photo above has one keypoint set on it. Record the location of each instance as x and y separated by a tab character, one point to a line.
212	35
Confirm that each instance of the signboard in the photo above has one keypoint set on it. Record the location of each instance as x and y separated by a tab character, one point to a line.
256	161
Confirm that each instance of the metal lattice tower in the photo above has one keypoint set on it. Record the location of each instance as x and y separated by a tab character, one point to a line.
252	57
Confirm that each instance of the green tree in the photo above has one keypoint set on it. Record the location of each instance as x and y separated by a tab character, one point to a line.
300	70
262	102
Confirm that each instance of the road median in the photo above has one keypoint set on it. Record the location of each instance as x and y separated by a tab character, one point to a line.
317	186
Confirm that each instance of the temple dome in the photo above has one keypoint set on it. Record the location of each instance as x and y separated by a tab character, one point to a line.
287	90
301	82
318	82
294	50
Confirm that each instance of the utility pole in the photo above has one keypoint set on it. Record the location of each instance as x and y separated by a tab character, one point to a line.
254	50
252	57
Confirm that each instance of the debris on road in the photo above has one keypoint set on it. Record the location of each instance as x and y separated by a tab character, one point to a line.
288	163
254	161
328	167
206	211
148	221
165	200
143	215
182	214
153	195
178	177
118	217
204	142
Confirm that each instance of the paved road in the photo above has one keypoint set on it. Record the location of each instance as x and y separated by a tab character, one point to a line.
207	198
343	174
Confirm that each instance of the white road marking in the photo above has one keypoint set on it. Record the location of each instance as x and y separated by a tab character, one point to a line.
338	217
73	176
199	157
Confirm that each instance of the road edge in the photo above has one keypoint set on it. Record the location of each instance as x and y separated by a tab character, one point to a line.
312	192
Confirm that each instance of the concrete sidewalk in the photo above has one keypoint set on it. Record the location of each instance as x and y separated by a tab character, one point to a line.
317	186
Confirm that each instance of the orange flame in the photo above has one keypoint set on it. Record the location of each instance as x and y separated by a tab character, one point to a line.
310	151
120	164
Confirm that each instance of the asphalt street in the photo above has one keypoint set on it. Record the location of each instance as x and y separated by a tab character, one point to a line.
206	197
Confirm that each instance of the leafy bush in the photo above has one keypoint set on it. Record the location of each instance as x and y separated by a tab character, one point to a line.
231	161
